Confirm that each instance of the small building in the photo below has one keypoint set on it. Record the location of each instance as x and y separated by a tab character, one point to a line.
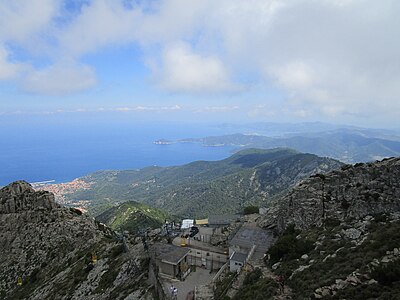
171	260
236	261
250	239
187	223
204	234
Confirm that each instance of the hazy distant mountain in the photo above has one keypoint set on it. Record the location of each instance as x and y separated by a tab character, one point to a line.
203	187
347	145
279	129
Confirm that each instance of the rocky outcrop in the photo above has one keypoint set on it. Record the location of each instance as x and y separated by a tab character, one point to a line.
20	196
47	251
351	192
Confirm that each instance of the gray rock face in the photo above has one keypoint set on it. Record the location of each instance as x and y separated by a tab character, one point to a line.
352	233
20	196
49	246
352	192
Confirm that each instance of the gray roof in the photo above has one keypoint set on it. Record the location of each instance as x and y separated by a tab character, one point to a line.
222	219
240	257
170	253
247	236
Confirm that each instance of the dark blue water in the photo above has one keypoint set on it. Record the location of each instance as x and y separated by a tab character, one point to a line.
61	149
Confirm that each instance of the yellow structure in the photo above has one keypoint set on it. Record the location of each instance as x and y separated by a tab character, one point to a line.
19	281
94	258
183	242
202	222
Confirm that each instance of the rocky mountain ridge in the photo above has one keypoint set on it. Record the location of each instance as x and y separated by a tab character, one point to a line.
51	252
351	192
339	234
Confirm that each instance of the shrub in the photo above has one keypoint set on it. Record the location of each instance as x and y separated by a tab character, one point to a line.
345	204
117	250
256	287
331	222
387	274
289	247
380	217
252	277
251	209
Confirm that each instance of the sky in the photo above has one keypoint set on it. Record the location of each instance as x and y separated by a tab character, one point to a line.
335	61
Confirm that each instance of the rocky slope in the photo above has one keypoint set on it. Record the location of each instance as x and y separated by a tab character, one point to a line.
51	252
351	192
339	235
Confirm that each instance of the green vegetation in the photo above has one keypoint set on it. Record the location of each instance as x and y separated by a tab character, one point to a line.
251	209
387	274
223	285
336	259
256	287
133	216
251	177
288	247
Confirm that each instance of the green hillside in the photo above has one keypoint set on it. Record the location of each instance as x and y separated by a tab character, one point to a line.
132	216
197	189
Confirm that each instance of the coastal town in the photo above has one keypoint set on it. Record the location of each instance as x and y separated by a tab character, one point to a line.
62	190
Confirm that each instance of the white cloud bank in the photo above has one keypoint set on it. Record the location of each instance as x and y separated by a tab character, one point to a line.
329	57
59	79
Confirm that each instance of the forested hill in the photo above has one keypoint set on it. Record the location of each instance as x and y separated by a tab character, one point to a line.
133	216
200	188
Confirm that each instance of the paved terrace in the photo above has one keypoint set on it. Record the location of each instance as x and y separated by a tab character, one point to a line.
186	288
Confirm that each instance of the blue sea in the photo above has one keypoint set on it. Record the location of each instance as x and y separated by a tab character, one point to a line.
62	148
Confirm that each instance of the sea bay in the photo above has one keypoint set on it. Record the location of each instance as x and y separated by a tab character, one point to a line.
61	150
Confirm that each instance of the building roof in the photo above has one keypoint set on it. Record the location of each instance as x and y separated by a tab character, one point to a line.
247	236
170	253
222	219
187	223
240	257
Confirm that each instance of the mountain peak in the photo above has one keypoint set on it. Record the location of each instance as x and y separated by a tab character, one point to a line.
20	196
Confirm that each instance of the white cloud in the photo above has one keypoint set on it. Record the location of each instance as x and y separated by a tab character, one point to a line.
59	79
184	70
330	57
217	109
23	19
30	25
20	22
293	75
101	23
8	70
